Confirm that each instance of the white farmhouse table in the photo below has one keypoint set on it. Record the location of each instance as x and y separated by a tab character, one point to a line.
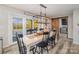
32	40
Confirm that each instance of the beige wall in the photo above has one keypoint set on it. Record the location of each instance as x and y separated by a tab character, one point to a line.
3	24
70	26
76	26
6	23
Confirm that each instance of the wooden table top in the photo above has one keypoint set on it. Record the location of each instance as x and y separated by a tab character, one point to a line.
32	39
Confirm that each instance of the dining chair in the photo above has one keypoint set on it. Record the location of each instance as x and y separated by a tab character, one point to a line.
29	31
21	45
1	45
35	30
43	45
52	37
33	49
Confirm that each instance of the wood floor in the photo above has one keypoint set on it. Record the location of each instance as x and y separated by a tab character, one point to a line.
63	46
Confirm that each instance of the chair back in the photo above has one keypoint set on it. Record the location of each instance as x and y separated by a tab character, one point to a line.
29	31
52	33
1	45
55	32
35	30
45	35
21	45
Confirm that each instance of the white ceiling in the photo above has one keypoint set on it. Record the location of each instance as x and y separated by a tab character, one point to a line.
53	10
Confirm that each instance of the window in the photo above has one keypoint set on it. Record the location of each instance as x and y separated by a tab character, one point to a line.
64	21
17	27
35	24
28	24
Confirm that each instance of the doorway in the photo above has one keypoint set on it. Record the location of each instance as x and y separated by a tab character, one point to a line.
55	26
61	25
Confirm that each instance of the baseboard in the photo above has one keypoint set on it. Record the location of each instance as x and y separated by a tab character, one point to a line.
70	38
75	42
0	51
10	45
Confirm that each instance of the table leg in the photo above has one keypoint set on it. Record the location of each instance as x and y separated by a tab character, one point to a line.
28	48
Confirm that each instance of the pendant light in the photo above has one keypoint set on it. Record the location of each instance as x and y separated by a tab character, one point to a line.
45	14
41	15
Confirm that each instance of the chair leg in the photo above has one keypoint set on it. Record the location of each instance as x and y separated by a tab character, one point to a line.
54	42
41	50
47	49
37	50
33	52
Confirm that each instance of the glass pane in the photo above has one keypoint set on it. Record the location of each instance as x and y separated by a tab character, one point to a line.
28	24
17	27
64	21
35	24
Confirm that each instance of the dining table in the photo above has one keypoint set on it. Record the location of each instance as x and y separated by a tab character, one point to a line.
32	40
